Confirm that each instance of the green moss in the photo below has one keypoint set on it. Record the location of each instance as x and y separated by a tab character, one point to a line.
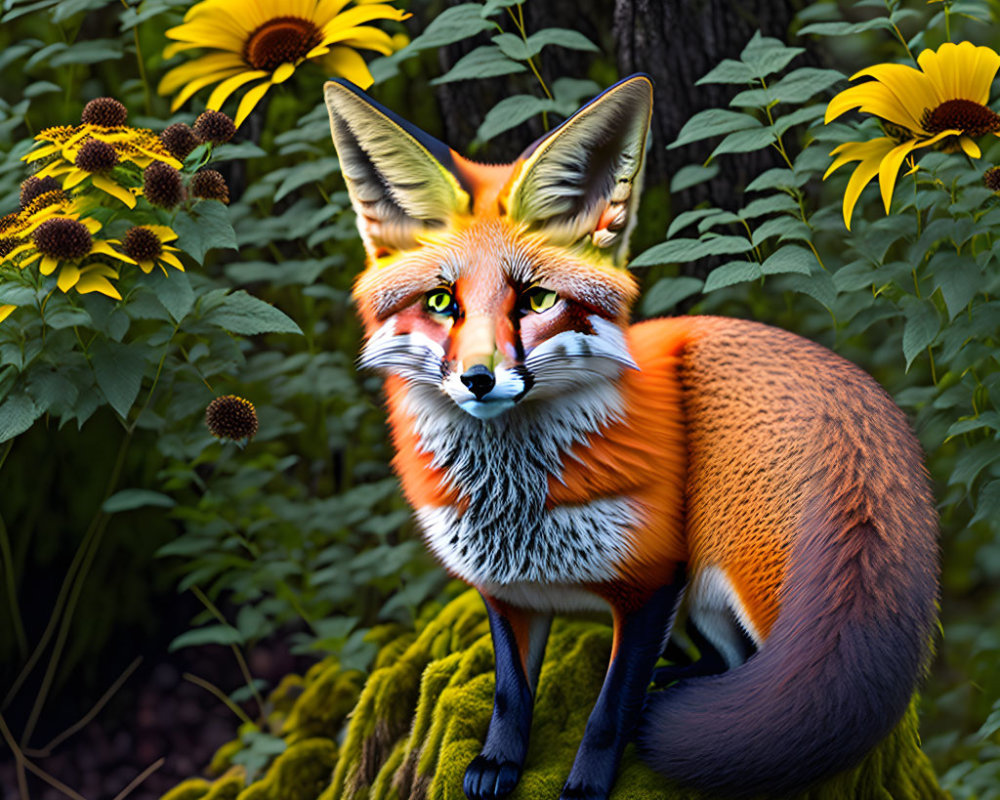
191	789
228	787
422	715
302	772
223	758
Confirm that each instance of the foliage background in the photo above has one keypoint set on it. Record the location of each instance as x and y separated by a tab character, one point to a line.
300	540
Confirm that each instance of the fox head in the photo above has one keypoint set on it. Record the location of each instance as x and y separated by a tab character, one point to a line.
497	285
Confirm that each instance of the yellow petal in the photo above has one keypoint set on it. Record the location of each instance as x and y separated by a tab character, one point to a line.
74	178
864	172
361	14
250	99
344	62
105	184
146	266
364	37
970	147
41	152
48	265
859	151
172	260
198	84
91	224
326	10
97	283
206	65
221	92
5	311
68	276
104	248
163	232
283	72
889	169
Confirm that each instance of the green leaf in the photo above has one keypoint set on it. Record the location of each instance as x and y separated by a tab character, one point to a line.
484	62
210	634
972	461
128	499
784	227
797	117
491	7
244	314
305	173
67	318
53	393
513	46
16	295
764	55
209	227
988	507
453	25
677	251
728	71
819	286
713	122
94	51
957	277
174	293
686	218
845	28
692	175
922	324
119	369
560	37
511	112
732	272
233	151
768	205
746	141
791	258
777	178
667	293
795	87
17	413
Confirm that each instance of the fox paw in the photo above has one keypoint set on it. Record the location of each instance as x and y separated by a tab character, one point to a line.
582	793
489	779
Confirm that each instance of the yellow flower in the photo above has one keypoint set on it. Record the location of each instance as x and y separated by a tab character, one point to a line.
65	240
74	153
943	103
266	40
147	246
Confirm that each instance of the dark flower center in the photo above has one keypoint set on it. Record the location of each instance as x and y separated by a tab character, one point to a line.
34	187
44	200
162	185
142	244
214	127
279	40
96	156
62	238
971	118
231	417
105	112
179	139
7	243
991	178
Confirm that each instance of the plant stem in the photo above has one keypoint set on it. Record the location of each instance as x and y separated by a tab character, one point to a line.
221	695
7	555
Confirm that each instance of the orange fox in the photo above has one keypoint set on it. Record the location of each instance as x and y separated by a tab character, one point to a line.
560	459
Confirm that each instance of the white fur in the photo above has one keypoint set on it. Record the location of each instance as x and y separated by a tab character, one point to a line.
716	608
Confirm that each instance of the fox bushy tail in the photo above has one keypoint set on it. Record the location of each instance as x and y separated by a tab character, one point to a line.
839	668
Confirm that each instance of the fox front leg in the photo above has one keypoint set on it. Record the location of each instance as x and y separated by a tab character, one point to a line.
519	639
639	636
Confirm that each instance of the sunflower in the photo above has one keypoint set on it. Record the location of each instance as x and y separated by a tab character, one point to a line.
943	103
266	40
147	246
65	240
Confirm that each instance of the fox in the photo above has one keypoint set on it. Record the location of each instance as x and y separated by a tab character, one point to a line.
561	459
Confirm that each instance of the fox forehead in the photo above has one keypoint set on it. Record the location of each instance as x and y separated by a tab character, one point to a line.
485	257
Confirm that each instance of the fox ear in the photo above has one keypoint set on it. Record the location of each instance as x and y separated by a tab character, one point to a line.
583	178
400	179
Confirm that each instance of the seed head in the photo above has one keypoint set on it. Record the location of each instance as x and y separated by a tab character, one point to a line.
179	139
141	244
214	127
62	238
231	417
33	187
162	185
104	111
992	179
209	184
96	156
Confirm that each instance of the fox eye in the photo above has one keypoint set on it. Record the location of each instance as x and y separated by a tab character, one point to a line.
540	299
441	301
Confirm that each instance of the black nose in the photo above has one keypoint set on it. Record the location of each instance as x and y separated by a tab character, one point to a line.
479	380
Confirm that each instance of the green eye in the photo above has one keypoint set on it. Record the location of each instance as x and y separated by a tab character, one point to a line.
440	301
540	299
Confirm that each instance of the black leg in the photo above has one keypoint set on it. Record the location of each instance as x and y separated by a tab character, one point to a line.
518	644
710	660
638	641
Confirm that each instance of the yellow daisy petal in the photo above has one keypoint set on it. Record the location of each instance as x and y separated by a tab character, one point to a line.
970	148
888	170
198	84
68	277
283	73
104	248
163	232
97	283
5	311
105	184
365	37
172	260
91	224
48	265
74	178
221	92
206	65
344	62
146	266
250	99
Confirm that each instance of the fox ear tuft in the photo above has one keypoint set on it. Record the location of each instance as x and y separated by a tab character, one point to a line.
583	178
399	178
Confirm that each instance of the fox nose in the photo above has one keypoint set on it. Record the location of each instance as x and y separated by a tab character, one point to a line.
478	380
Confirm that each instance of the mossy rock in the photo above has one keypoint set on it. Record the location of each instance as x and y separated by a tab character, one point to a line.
422	716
